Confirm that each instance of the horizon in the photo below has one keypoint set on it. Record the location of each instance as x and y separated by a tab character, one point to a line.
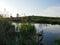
49	8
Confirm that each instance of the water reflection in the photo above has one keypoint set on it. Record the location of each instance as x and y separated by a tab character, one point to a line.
51	32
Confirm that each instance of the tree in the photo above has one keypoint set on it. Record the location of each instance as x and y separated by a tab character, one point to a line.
17	15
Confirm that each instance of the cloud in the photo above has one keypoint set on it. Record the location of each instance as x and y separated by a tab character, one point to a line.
51	11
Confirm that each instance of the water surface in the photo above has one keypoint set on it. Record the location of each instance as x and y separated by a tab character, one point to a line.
50	32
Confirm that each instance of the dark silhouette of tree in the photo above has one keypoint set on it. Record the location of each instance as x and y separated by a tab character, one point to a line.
17	15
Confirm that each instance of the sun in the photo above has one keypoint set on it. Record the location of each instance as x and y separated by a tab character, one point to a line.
5	8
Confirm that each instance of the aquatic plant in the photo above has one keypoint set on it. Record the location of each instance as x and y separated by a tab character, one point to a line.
27	34
57	42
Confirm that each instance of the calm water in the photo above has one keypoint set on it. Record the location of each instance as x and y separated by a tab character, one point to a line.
51	32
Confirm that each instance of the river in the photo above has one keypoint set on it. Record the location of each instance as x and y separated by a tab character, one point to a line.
50	33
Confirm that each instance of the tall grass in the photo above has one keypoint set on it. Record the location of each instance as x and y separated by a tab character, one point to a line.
27	34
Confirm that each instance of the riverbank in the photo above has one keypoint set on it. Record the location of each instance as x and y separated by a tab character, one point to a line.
35	19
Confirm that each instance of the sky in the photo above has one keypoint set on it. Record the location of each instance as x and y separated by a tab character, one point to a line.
49	8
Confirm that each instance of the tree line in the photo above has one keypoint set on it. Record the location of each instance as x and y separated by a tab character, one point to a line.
37	19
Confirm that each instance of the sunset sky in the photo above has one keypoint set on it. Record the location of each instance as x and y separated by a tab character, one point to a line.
31	7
